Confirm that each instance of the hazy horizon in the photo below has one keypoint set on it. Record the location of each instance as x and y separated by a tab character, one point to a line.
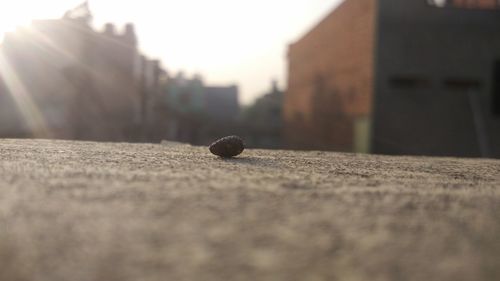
226	42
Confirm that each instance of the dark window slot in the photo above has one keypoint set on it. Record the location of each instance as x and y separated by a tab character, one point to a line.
461	84
408	82
468	4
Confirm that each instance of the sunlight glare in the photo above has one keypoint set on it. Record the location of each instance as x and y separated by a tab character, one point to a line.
9	22
226	41
22	12
23	100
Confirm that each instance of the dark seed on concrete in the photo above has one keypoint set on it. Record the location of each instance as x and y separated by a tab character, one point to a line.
227	147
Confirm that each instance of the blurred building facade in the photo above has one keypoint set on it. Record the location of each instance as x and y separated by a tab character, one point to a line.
66	80
194	112
62	79
262	122
398	77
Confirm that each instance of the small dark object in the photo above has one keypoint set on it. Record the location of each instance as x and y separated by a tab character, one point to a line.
227	147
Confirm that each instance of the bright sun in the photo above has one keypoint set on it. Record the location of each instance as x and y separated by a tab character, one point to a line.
21	12
10	18
8	22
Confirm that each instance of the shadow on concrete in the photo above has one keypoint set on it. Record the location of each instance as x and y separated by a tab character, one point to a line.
248	160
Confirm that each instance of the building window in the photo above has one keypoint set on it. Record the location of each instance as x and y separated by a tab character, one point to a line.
496	88
461	84
408	82
438	3
466	4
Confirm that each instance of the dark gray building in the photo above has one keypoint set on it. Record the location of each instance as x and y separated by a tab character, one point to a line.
398	77
437	78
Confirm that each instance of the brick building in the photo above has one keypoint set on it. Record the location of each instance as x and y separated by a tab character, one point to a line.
398	77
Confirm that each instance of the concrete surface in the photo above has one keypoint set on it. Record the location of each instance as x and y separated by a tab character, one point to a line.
102	211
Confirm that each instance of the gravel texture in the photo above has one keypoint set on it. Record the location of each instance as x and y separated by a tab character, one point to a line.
111	211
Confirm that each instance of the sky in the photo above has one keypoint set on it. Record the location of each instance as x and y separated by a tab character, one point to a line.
225	41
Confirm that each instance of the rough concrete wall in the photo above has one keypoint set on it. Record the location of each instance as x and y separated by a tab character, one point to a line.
449	56
85	211
331	78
